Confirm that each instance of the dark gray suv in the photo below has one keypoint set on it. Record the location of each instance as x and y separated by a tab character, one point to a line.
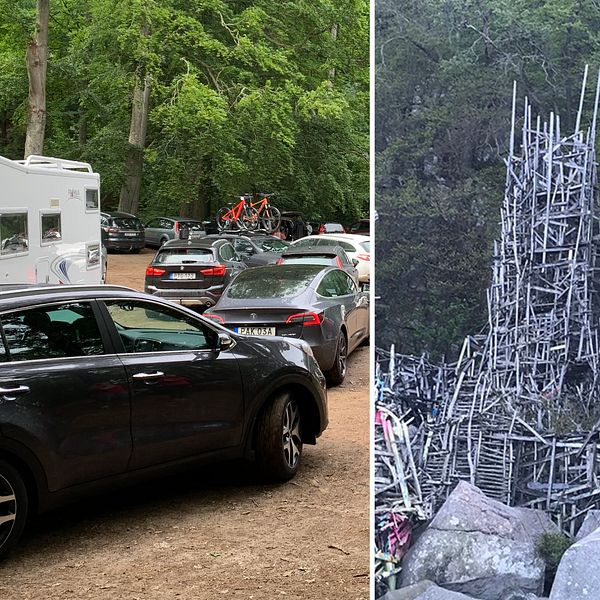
102	384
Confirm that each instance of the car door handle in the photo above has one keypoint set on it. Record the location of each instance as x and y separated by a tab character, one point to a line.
155	375
12	393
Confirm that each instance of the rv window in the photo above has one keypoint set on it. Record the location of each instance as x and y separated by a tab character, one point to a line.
91	199
51	229
13	233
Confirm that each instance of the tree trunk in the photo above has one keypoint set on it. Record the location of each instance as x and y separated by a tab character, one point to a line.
334	34
37	63
130	190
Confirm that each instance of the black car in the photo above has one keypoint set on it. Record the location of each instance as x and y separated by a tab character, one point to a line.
122	231
101	385
321	305
255	249
333	256
193	271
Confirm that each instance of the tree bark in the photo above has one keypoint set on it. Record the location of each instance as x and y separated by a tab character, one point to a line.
334	34
134	164
37	63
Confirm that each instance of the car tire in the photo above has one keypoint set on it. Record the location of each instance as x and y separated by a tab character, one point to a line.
135	250
278	438
14	506
162	241
337	373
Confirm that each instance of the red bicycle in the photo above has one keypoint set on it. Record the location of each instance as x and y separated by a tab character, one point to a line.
241	217
249	216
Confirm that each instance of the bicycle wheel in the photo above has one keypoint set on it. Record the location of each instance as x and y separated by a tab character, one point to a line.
225	221
249	219
270	218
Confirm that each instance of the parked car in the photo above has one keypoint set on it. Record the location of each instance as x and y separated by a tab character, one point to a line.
255	249
293	226
321	305
332	256
321	228
193	271
362	227
121	231
355	246
102	385
162	229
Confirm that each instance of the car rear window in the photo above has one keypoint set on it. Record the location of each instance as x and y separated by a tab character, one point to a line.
127	223
334	228
276	282
366	246
310	260
181	256
192	225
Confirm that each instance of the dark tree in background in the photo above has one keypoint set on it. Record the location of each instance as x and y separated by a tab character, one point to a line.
444	73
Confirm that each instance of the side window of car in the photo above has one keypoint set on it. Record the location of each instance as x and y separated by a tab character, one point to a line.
328	286
148	327
226	252
345	284
243	246
104	221
166	224
152	223
52	332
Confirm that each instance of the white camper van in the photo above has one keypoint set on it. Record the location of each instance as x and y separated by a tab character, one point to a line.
50	222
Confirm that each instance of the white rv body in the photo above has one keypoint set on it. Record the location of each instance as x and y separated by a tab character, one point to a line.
49	222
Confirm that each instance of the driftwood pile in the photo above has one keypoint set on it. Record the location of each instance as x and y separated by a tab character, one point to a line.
518	414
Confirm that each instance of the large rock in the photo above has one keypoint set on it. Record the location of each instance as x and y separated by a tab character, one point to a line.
480	547
424	590
578	574
589	525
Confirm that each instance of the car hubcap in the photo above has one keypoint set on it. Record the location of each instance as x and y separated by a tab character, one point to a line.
291	434
342	356
8	509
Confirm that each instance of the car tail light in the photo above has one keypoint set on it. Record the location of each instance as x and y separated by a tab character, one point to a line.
279	261
321	229
305	318
112	230
217	271
217	318
153	271
363	256
176	226
338	262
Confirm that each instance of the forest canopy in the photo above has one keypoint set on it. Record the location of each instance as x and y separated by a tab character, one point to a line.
244	96
444	77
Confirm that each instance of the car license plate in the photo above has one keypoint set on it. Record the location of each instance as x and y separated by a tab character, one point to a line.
131	234
183	275
255	330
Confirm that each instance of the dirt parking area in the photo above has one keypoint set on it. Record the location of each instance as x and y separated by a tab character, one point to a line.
215	533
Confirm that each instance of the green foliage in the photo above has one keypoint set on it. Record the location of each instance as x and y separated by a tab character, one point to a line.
444	73
241	98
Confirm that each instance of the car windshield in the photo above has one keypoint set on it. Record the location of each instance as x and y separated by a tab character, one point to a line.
366	246
180	256
272	245
309	260
272	282
127	223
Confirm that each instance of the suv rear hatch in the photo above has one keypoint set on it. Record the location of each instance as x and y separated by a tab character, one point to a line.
185	268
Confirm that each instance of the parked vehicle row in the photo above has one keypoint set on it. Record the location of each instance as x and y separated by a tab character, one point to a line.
124	231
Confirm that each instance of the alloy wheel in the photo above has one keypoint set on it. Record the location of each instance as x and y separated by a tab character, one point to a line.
292	442
8	509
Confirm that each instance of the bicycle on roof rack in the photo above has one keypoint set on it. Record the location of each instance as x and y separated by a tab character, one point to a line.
249	216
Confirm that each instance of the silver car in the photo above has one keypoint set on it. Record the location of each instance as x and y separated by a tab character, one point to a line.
162	229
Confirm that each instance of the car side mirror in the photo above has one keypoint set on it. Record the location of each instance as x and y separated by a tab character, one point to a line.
225	341
355	262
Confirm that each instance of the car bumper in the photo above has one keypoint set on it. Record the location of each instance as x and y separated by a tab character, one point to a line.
205	297
124	244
